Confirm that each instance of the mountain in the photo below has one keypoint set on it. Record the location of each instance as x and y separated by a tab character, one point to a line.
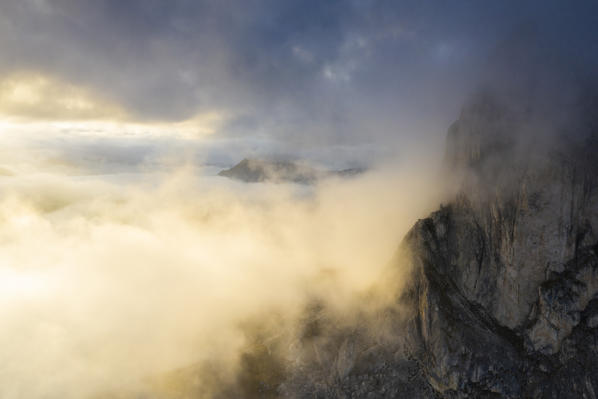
499	287
258	170
502	301
506	275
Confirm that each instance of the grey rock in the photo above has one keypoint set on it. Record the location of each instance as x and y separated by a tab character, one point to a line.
259	170
505	277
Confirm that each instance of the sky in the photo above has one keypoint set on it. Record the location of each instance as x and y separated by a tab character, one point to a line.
363	78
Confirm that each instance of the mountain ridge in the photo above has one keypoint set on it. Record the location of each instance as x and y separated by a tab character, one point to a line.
506	275
252	170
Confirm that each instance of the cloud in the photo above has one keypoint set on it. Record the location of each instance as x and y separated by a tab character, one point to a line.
36	105
33	96
351	71
132	281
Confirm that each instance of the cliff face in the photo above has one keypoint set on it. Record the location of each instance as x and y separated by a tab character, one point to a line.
506	275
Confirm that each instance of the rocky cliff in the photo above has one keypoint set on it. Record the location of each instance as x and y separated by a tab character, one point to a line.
506	275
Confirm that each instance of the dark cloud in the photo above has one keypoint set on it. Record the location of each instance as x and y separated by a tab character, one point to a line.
306	71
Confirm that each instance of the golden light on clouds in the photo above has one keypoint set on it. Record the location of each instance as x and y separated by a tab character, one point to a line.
34	96
121	285
35	101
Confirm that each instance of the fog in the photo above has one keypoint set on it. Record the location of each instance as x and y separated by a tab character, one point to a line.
108	285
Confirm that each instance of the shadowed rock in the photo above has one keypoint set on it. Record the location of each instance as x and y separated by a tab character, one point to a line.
257	170
506	275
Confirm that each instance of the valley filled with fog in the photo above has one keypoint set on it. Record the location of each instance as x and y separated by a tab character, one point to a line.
118	277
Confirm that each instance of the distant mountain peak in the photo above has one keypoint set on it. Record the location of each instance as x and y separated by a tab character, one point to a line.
252	170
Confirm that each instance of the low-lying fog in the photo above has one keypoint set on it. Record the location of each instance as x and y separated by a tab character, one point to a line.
108	279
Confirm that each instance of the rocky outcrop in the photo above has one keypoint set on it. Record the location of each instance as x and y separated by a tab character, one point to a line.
506	276
257	170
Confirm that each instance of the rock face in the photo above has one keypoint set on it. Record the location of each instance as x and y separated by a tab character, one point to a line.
506	275
257	170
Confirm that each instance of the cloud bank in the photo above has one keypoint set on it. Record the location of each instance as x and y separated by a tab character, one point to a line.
305	73
107	286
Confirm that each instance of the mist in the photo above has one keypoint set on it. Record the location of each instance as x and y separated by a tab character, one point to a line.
106	286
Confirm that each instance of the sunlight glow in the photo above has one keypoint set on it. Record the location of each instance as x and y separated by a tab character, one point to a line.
33	102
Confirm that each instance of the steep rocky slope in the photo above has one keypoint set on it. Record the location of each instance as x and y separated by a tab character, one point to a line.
506	275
